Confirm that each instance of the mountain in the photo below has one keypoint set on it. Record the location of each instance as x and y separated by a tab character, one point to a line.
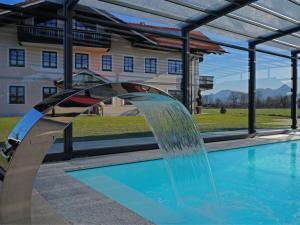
224	94
262	93
242	85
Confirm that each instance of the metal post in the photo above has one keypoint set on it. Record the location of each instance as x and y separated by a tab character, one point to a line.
186	76
294	90
68	68
252	89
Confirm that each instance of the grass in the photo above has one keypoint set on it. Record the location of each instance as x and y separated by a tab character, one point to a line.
95	127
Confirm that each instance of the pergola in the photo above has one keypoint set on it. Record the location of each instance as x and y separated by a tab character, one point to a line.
271	22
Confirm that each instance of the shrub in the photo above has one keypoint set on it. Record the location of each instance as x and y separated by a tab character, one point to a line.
223	110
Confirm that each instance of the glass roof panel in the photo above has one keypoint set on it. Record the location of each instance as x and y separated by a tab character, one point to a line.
262	18
250	31
161	11
275	50
281	46
291	39
284	7
124	12
208	4
223	33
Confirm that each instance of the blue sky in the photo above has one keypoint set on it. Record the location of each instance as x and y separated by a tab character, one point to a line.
10	1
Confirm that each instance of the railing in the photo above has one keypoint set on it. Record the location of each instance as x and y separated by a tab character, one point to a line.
36	34
206	82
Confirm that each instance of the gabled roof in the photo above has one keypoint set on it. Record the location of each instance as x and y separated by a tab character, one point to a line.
195	43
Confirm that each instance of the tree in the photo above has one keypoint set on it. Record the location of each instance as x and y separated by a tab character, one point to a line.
219	103
243	100
233	99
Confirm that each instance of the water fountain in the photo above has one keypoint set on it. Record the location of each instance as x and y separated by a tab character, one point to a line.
178	137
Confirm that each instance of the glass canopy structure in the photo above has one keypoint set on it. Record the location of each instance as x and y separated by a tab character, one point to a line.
256	23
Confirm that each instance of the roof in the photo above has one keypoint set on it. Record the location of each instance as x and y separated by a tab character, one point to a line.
196	42
269	22
83	79
26	3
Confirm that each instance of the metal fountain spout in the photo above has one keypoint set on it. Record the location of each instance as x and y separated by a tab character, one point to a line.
31	138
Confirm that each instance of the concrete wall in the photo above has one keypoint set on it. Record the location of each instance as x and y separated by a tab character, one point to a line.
34	77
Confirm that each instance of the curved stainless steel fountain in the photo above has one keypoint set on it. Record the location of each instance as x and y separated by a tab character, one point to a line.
30	140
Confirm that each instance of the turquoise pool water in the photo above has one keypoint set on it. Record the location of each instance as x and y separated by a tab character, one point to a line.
255	185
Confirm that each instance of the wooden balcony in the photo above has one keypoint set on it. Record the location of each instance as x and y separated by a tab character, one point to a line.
36	34
206	82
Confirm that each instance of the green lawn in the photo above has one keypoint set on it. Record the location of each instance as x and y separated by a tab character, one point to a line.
95	127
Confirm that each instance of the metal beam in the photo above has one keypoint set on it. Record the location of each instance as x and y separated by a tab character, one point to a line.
252	90
186	75
296	52
18	9
235	5
68	68
296	2
294	78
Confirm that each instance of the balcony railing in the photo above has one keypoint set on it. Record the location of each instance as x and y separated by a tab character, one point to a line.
36	34
206	82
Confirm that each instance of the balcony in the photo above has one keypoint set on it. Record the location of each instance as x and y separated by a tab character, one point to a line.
206	82
36	34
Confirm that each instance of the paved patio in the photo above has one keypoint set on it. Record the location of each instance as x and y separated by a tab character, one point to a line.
79	204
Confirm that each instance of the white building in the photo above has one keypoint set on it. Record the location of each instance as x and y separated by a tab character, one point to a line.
31	55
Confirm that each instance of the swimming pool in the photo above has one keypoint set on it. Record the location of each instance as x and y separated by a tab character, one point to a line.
255	185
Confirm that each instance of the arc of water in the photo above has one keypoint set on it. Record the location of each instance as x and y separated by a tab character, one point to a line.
30	140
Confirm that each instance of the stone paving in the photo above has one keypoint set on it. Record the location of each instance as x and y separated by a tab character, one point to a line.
79	204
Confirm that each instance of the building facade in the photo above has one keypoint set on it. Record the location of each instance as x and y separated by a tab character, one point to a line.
31	58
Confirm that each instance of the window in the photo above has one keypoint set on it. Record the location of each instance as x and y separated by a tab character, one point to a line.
79	25
128	64
16	94
49	59
150	65
106	63
81	61
17	57
48	91
174	66
79	30
42	22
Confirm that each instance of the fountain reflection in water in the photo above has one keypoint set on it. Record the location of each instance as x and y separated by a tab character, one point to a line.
185	157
